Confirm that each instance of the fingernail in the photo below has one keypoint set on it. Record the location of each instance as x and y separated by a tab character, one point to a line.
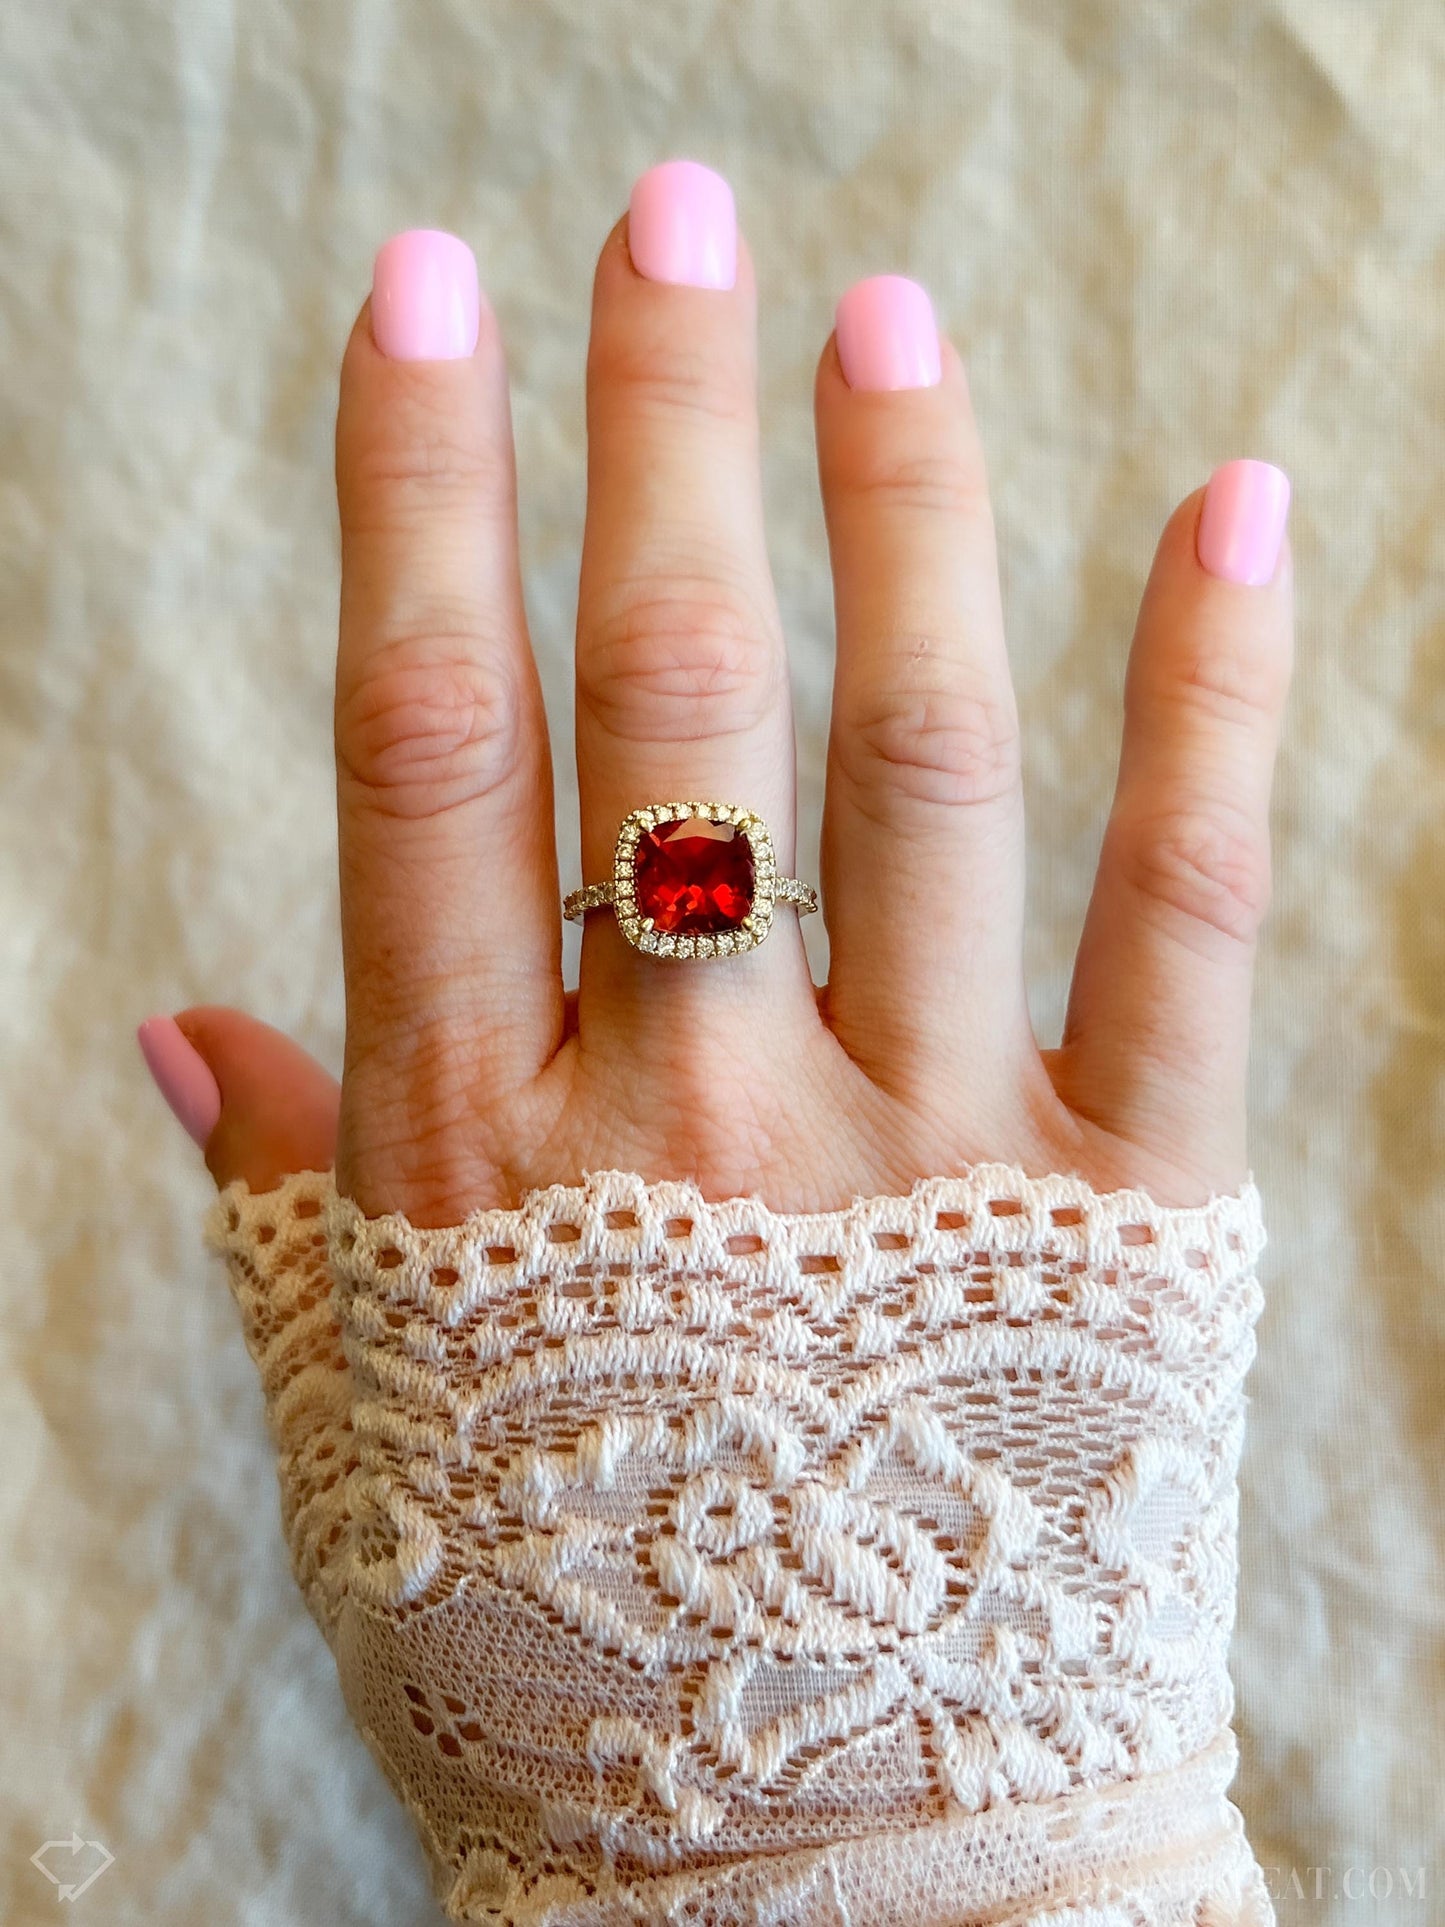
182	1075
887	336
1242	523
682	226
425	301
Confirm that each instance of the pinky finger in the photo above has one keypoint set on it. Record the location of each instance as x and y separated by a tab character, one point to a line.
1156	1039
257	1104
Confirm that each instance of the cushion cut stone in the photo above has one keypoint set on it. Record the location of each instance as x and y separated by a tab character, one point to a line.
694	877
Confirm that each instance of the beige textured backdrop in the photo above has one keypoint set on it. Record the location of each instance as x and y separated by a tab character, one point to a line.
1162	235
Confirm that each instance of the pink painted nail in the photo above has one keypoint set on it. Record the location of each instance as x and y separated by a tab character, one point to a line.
182	1075
425	302
887	336
1242	523
682	226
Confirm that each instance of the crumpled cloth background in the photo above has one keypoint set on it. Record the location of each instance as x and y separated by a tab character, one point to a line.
1162	235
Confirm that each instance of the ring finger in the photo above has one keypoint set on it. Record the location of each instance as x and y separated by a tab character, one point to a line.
923	857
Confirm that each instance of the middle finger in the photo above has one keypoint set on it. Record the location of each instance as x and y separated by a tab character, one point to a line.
682	687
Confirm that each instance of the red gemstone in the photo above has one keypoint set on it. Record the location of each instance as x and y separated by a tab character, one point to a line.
694	877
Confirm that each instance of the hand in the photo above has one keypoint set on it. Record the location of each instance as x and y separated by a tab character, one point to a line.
469	1076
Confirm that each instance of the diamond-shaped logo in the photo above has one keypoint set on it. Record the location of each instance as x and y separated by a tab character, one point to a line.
72	1865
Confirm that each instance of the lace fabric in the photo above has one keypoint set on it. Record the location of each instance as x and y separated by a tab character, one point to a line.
688	1561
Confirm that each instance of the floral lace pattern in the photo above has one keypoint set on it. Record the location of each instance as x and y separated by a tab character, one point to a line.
689	1561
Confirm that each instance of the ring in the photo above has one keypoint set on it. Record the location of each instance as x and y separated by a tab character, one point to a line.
693	880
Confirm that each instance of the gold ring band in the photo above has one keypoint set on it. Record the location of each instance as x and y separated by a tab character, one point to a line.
693	879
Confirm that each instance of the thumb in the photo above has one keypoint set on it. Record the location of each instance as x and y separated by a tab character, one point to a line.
263	1110
258	1105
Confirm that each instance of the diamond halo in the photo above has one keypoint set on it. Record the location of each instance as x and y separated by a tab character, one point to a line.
734	938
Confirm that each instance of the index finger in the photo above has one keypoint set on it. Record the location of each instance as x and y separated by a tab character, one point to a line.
451	923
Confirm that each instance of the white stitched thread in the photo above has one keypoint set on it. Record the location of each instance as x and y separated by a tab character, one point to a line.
691	1561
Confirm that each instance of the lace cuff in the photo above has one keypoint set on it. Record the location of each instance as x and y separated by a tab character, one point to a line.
692	1562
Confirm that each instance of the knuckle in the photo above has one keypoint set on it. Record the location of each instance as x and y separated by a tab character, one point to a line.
1231	680
944	746
669	378
679	662
425	728
941	483
425	456
1205	864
